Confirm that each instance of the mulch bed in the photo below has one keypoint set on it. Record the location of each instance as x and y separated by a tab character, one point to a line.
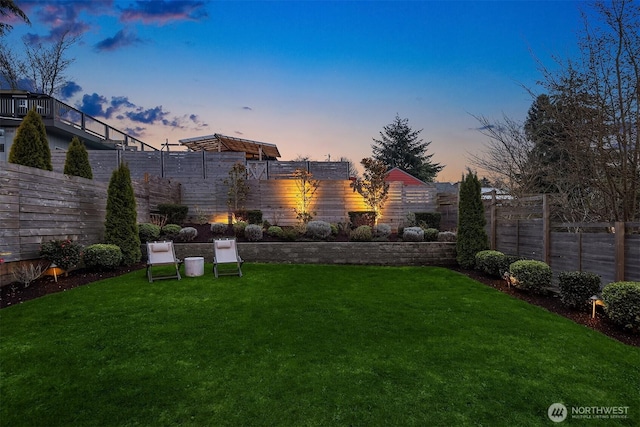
15	294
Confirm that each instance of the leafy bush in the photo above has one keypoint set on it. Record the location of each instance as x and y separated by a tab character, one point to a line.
238	228
428	219
318	230
187	234
358	218
275	231
254	217
219	227
170	231
63	253
148	232
413	234
382	231
534	276
176	214
446	236
576	287
431	234
622	303
253	232
335	229
491	262
102	256
290	234
361	234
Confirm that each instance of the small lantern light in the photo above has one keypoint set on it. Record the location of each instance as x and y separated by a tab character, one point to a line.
595	301
54	271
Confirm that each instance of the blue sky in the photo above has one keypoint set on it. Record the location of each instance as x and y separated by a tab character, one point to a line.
317	78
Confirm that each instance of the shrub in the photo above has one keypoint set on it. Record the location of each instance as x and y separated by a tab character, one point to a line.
431	234
187	234
413	234
576	287
170	231
63	253
472	237
254	217
27	273
219	227
121	226
238	228
318	230
102	256
148	232
382	231
275	231
446	236
622	303
534	276
176	214
428	219
30	144
290	234
77	160
491	262
358	218
253	232
335	229
361	234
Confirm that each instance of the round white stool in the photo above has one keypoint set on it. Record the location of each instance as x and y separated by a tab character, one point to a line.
194	266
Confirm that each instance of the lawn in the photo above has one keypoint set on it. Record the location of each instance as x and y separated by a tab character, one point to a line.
304	345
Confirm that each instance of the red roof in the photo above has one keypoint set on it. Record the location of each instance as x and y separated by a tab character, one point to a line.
396	174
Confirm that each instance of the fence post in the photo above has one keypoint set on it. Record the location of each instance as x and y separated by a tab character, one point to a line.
493	220
546	229
619	242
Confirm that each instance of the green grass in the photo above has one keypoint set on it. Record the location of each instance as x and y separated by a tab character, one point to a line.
303	345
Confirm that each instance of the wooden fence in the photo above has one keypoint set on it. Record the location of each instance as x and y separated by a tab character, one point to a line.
524	227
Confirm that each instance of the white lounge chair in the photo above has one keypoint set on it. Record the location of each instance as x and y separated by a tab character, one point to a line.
162	254
225	251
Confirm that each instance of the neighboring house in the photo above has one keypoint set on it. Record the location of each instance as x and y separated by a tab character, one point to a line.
62	123
398	175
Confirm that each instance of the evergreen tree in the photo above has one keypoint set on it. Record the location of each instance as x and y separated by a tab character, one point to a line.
472	237
121	225
401	147
30	146
77	161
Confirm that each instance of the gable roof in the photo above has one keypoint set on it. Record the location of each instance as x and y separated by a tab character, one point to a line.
397	174
221	143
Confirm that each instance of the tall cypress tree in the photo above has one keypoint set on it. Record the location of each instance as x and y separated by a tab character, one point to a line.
30	146
121	222
77	161
472	237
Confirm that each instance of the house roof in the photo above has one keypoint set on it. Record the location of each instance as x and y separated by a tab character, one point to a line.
221	143
397	174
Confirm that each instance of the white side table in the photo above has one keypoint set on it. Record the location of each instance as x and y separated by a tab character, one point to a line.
194	266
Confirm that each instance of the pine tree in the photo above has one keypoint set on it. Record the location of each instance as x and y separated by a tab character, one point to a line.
77	160
121	225
30	146
401	147
472	237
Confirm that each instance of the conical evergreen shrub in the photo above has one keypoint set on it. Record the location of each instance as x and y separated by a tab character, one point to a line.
472	237
77	161
121	225
30	146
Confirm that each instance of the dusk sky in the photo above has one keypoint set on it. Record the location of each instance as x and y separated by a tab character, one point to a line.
316	78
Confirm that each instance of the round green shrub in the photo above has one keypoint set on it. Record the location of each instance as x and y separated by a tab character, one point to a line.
148	232
170	231
622	303
382	231
361	234
102	256
238	228
491	262
534	276
413	234
576	287
63	253
318	230
335	229
431	234
219	227
275	231
187	234
253	232
290	234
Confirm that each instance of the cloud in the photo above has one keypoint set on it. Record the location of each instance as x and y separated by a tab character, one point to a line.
68	90
162	12
62	17
237	132
135	132
93	105
247	108
119	40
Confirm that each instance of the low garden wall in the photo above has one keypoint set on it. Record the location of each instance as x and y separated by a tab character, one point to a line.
371	253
